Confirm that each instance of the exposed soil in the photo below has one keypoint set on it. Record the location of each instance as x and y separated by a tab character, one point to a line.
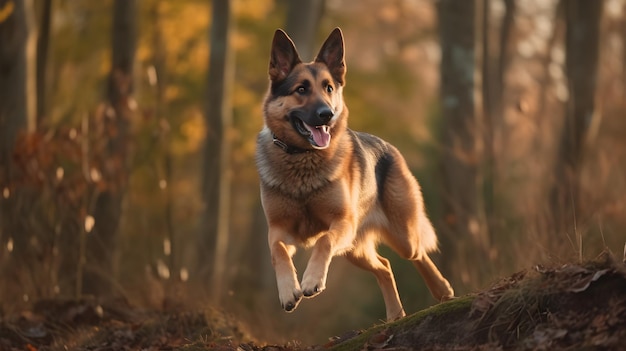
572	307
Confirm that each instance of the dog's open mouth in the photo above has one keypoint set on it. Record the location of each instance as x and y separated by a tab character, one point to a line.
318	136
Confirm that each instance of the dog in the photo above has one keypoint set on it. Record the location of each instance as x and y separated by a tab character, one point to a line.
331	189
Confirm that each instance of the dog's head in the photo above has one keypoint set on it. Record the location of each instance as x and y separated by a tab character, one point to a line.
304	106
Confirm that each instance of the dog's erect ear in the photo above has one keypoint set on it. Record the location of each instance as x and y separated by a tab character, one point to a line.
332	55
284	56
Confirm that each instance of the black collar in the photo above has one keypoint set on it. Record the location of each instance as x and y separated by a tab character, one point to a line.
287	148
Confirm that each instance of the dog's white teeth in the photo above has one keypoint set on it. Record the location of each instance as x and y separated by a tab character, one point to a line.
324	128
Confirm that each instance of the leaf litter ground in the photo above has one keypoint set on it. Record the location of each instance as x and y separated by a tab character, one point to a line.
570	307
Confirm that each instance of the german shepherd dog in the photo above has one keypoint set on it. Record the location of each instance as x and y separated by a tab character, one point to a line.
337	191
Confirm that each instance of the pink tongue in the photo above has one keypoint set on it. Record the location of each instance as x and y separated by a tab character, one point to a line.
321	136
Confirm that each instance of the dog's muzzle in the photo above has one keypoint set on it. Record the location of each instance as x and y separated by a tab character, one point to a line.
315	128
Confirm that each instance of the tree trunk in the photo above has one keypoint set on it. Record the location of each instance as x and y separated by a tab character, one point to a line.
303	19
17	74
624	57
495	58
42	58
214	231
101	242
461	133
489	104
581	44
17	113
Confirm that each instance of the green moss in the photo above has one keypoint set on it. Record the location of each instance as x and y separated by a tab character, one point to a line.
409	322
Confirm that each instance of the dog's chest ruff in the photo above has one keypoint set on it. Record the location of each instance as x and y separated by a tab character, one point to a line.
293	175
296	179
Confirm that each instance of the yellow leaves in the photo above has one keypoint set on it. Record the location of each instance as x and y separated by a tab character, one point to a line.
185	33
144	53
6	10
104	66
172	92
182	22
240	41
246	97
198	58
253	9
193	131
183	30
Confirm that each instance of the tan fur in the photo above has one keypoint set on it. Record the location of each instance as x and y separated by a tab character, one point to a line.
343	198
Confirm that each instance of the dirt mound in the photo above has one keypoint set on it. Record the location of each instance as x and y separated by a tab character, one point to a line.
571	307
88	325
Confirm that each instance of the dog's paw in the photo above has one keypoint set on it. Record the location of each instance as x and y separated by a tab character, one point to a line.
446	294
311	289
289	303
447	297
312	292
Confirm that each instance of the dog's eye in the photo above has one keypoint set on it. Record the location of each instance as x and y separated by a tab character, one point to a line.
301	90
329	88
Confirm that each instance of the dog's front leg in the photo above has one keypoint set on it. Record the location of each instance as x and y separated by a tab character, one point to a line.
288	287
314	278
338	239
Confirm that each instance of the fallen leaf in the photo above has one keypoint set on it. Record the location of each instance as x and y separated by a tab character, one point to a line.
585	282
380	340
545	336
35	331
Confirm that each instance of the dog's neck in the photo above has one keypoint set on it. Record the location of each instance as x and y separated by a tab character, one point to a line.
290	149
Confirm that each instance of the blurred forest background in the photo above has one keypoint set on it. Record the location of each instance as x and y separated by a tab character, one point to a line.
128	128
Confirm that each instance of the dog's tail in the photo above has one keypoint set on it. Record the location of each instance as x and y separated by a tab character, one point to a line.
428	237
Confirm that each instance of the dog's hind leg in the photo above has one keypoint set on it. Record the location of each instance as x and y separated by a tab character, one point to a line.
408	247
438	285
368	259
410	232
412	240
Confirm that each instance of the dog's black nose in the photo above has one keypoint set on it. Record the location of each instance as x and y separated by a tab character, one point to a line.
325	114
